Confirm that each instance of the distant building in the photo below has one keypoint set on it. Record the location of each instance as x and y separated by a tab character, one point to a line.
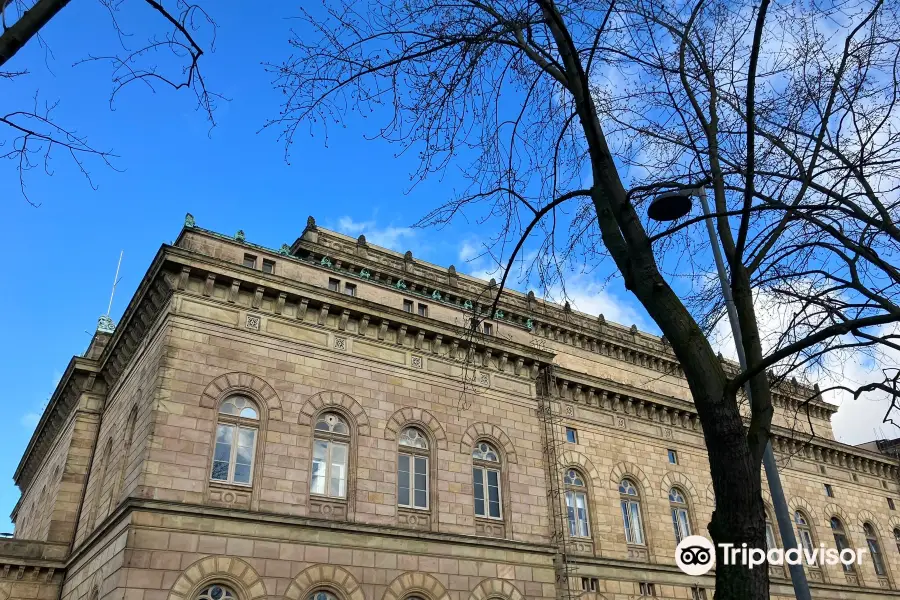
323	422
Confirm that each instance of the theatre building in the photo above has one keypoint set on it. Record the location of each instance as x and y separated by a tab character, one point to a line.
320	421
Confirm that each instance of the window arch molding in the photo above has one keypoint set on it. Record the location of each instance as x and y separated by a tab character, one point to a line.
418	584
228	571
245	384
679	480
626	470
329	578
338	402
489	589
489	433
420	419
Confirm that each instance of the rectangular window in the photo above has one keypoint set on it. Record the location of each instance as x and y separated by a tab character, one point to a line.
423	310
854	477
698	593
412	481
631	514
770	535
829	491
590	584
408	306
268	266
891	504
329	469
486	480
250	261
350	289
822	469
488	329
571	435
233	458
673	457
334	285
576	507
647	589
682	524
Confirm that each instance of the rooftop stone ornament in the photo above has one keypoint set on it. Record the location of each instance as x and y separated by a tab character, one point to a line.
285	250
239	236
189	220
106	325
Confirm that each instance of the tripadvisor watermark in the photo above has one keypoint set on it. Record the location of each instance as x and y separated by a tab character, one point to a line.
696	555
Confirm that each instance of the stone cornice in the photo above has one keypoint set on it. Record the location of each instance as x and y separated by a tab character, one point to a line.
313	304
80	376
605	395
334	251
31	561
97	376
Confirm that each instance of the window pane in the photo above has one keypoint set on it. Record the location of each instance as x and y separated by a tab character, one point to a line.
320	456
876	557
570	511
683	523
626	522
581	510
338	470
770	535
244	460
478	485
637	530
403	480
421	482
494	493
675	525
222	455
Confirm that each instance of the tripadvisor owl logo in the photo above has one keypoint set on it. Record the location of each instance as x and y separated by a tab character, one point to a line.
696	555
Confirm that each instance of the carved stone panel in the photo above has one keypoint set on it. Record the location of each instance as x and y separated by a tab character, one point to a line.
327	508
229	496
581	546
413	519
637	553
252	322
490	528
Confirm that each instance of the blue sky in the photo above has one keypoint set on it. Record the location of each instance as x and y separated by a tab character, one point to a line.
61	257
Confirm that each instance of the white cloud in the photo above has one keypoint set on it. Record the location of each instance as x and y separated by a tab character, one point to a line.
30	420
857	420
394	238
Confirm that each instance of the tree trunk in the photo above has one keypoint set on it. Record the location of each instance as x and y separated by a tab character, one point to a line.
736	474
739	516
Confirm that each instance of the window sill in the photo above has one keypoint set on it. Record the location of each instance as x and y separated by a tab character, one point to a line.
414	508
231	485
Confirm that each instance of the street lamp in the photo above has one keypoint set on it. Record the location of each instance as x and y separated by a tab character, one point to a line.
673	205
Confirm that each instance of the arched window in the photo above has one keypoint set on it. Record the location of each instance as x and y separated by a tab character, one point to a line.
322	595
577	504
897	537
681	520
840	539
631	512
331	449
236	441
804	533
486	480
771	541
412	469
216	592
101	480
875	550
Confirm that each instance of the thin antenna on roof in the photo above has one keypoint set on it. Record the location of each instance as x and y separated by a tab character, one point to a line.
115	283
105	323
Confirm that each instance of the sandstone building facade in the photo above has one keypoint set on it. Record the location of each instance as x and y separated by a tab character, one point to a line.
319	422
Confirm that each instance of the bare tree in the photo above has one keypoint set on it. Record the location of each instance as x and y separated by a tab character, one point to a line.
30	136
786	112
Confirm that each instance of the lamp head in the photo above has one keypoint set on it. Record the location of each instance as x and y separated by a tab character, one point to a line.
670	206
